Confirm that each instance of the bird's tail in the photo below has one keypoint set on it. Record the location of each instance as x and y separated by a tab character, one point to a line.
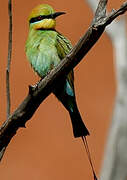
79	128
85	143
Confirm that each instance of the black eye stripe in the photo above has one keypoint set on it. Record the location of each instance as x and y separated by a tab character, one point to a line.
50	16
39	18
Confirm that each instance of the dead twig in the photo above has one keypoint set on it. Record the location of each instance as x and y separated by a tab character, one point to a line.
8	68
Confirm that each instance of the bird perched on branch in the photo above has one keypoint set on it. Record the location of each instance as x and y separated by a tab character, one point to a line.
45	48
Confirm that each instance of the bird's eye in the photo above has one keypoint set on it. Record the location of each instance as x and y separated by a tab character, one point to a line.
33	20
39	18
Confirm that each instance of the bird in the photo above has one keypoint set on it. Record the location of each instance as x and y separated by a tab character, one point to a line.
45	48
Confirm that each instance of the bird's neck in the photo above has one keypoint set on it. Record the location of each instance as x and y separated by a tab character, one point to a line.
38	35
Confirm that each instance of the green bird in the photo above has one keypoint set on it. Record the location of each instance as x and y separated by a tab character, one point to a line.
45	48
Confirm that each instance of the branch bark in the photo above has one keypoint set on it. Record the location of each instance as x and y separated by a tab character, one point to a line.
36	95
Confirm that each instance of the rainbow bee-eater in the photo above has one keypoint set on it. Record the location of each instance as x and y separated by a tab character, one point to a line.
45	48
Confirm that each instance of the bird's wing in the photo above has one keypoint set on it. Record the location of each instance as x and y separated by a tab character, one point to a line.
64	46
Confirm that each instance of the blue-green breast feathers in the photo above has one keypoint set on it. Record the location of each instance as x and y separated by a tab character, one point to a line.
41	51
45	49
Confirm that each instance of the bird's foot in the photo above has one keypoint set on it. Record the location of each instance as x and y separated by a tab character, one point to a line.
34	87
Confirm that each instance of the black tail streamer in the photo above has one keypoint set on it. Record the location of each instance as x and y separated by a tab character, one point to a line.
89	156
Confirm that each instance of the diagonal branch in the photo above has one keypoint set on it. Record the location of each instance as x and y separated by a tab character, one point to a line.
36	95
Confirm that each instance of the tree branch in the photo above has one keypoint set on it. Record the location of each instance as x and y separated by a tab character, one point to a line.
36	95
9	58
8	68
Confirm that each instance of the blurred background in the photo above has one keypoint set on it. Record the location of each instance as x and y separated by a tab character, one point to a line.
46	149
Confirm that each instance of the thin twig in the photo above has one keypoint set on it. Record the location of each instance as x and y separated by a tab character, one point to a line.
9	58
116	13
8	68
35	97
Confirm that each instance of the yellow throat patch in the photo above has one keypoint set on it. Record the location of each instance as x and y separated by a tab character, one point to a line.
45	24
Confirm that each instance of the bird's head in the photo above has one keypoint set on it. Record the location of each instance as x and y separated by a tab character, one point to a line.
43	17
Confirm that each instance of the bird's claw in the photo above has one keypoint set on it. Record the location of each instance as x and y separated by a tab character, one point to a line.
34	87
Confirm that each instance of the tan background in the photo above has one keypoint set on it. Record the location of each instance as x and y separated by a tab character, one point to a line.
46	149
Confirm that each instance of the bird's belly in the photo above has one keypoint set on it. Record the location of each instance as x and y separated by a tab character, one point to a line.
44	62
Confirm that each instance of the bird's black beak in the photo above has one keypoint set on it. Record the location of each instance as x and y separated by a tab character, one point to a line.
56	14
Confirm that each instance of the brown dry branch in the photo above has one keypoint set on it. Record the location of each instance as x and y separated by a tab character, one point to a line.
8	68
9	58
36	95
